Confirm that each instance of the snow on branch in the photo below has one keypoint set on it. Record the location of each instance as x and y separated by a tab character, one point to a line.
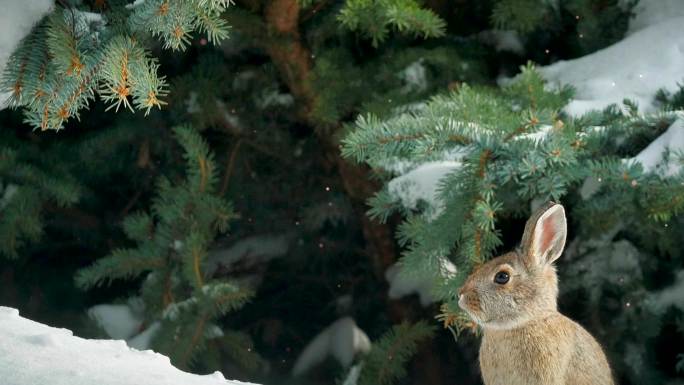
32	353
341	340
662	155
649	59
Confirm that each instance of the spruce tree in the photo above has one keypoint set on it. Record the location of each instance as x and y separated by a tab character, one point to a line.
297	123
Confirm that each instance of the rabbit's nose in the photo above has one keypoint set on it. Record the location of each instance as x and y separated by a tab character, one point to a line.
461	291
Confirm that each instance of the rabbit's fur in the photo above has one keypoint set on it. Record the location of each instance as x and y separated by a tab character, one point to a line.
526	340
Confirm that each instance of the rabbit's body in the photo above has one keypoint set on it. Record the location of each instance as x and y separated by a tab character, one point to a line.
574	357
513	298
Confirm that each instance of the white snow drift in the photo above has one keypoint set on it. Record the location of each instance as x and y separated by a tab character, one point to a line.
421	184
403	283
32	353
651	57
341	340
662	155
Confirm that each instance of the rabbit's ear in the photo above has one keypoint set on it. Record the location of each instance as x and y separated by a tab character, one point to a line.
544	237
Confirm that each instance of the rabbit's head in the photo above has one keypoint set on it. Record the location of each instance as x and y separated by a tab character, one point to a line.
521	285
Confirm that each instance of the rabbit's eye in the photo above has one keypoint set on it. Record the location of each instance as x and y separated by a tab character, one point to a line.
501	278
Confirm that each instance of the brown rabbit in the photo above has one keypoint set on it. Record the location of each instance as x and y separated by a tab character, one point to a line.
526	340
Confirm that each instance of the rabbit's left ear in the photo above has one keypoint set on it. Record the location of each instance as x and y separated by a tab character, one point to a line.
544	237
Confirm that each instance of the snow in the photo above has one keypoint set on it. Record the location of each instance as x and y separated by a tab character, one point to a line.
251	250
414	77
503	41
403	283
7	194
32	353
421	184
538	136
125	322
601	261
635	68
670	296
662	155
341	340
16	20
120	322
651	12
274	98
143	340
353	375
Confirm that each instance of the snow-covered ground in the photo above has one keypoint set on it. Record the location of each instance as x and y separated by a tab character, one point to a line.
32	353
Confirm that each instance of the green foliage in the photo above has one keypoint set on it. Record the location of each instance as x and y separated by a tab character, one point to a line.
594	23
520	15
671	101
391	81
385	363
374	19
172	242
73	54
509	148
28	184
174	20
512	148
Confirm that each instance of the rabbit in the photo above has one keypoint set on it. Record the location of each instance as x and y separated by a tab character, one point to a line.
526	341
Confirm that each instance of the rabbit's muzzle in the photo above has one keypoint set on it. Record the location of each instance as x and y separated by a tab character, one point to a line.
469	301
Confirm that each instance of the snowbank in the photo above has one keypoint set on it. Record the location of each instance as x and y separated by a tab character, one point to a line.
662	155
421	184
32	353
119	321
673	295
635	68
341	340
652	12
251	250
16	20
406	283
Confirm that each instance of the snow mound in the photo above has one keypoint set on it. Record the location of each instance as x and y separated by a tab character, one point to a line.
16	20
402	284
32	353
651	12
251	250
635	68
420	184
119	321
503	40
670	296
342	340
662	155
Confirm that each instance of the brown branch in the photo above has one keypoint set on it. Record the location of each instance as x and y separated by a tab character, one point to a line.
288	52
77	216
203	173
168	294
229	167
196	267
199	329
130	204
293	60
313	10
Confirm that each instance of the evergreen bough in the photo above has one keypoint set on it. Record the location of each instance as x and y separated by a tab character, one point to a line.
517	147
171	245
73	55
